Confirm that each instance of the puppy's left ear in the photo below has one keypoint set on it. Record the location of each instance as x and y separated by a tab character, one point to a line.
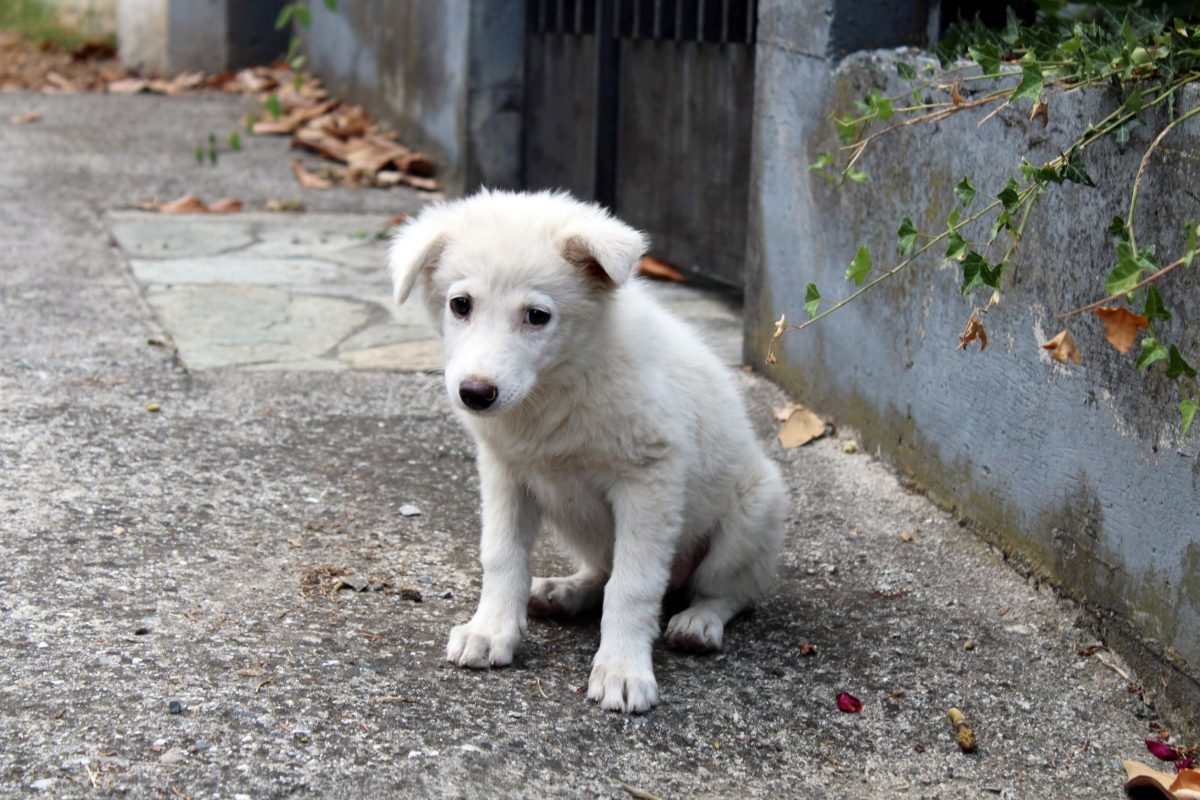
416	248
605	249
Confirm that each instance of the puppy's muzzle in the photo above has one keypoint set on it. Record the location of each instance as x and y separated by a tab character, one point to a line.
476	394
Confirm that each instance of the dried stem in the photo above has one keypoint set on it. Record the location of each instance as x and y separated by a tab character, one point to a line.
1091	306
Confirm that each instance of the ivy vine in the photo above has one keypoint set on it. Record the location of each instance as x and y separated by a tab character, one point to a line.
1147	57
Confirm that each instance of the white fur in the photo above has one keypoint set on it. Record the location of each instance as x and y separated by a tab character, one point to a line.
614	426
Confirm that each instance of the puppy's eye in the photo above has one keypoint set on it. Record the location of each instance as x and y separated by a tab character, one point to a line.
537	316
460	306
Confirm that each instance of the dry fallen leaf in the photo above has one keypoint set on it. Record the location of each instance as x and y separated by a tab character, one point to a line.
1062	348
956	95
128	86
1040	112
399	219
1184	786
973	331
658	269
26	118
908	537
802	427
226	205
1121	326
784	412
188	204
307	179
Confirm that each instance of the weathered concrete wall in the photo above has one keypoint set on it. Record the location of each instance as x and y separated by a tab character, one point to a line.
1079	472
445	75
167	36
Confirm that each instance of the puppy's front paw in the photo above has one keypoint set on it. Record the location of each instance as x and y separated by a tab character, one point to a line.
623	684
480	645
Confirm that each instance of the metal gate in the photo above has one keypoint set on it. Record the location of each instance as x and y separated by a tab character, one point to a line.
646	106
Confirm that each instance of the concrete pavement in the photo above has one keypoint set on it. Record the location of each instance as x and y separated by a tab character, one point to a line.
190	559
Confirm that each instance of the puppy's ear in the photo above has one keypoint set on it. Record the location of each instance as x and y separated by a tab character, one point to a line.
605	249
416	248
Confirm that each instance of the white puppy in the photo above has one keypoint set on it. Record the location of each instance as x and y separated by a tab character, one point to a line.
599	415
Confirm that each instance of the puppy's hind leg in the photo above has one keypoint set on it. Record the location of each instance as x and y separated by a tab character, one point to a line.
740	564
568	595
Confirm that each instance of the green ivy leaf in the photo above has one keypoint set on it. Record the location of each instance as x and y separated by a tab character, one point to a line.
1154	308
1177	367
812	300
331	4
303	15
1009	196
965	191
987	55
1126	273
905	71
956	246
847	129
1123	133
271	104
907	235
978	272
285	16
857	175
1031	84
1117	228
952	220
824	159
1073	170
860	266
1152	350
1187	411
235	141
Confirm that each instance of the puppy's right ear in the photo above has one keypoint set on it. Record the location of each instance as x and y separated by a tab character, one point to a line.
416	248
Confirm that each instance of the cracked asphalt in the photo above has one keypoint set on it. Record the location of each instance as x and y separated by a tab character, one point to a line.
204	559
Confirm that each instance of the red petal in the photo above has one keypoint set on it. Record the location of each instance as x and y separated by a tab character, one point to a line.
1162	750
1187	762
848	703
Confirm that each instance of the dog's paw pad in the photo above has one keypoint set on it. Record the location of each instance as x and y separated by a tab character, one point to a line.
619	688
475	646
695	630
562	596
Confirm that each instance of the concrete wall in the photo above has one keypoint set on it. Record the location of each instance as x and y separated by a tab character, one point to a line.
169	36
1079	472
445	75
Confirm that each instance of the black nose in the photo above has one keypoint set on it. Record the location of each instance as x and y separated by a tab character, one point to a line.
476	394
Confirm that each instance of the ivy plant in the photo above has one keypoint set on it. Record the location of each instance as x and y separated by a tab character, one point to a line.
1146	57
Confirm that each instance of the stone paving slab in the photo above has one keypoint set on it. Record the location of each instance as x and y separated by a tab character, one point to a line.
308	292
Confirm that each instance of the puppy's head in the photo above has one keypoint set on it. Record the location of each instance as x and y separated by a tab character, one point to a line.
515	283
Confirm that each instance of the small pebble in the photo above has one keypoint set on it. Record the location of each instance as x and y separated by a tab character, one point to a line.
969	644
172	757
447	595
850	446
152	407
426	579
409	511
141	631
175	707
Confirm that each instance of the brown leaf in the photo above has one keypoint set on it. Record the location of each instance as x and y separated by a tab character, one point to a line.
417	164
188	204
61	83
1040	112
307	179
373	153
956	95
128	86
226	205
322	143
1141	776
660	270
424	184
1121	326
802	427
783	413
1062	348
26	118
399	219
973	331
